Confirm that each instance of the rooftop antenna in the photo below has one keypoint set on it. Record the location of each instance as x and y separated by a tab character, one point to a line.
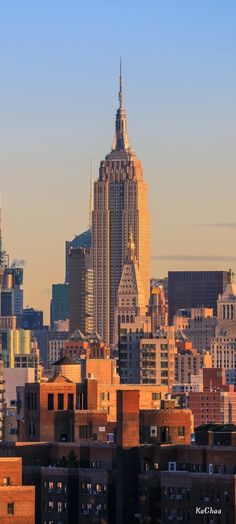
121	87
4	260
0	224
91	194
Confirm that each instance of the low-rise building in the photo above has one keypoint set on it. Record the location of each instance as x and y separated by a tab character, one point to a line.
17	502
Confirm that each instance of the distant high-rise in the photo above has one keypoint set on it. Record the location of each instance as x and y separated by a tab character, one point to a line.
82	240
81	290
120	206
32	319
192	289
59	309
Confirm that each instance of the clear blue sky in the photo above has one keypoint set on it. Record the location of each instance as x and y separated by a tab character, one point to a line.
59	65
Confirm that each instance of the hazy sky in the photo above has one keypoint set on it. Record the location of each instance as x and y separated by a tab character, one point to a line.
59	64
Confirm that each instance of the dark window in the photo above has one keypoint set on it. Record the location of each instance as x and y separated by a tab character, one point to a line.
50	401
60	401
156	396
181	431
70	401
83	431
10	508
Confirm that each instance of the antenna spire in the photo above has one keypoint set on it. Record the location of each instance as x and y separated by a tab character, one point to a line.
0	223
120	97
91	194
3	255
121	141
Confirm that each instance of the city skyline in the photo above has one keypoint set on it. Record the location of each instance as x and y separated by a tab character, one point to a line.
49	135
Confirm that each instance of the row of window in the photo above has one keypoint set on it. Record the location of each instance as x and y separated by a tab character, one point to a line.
96	509
95	489
51	486
59	506
60	401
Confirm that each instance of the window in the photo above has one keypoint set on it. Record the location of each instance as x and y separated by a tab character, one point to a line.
153	431
50	486
59	507
59	487
83	431
181	431
50	402
60	398
156	396
10	508
50	505
70	401
6	481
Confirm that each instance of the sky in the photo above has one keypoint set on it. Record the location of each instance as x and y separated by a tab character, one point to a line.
59	67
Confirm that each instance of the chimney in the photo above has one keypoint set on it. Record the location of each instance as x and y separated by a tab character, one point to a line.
127	418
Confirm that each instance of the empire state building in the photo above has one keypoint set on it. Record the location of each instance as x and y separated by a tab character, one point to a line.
120	208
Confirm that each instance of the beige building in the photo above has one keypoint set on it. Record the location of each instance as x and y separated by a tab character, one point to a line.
189	363
120	206
145	358
223	347
130	334
158	308
198	324
157	359
14	378
55	350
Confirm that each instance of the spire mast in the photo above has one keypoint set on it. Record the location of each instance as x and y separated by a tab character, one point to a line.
4	261
121	87
0	225
121	141
91	194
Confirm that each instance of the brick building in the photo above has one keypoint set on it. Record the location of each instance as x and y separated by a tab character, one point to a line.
216	403
17	502
54	410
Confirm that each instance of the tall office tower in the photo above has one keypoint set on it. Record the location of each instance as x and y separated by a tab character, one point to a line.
120	206
12	293
81	290
59	308
193	289
82	240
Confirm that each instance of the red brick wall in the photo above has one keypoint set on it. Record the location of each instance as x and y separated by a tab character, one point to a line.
128	418
23	498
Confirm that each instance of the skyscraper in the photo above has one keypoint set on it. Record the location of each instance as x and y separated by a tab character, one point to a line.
59	308
81	290
120	206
